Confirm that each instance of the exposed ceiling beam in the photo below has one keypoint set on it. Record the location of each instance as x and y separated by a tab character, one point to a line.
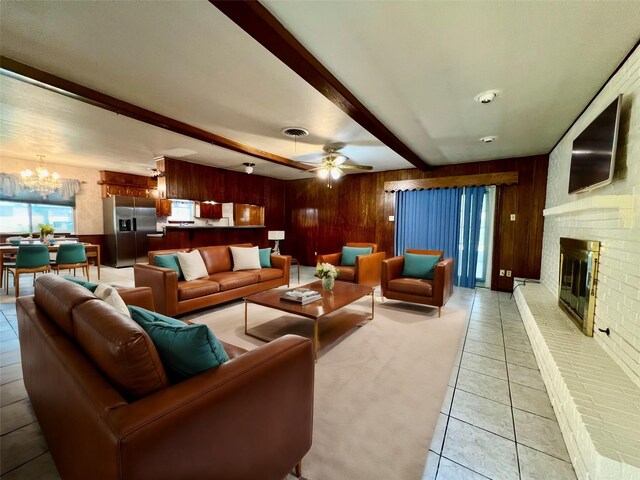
258	22
48	81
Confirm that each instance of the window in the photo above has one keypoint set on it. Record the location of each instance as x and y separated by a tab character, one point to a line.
24	217
182	211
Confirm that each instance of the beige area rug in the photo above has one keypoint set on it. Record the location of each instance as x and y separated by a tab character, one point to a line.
378	392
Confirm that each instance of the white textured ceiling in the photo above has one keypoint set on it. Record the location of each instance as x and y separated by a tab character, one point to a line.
415	65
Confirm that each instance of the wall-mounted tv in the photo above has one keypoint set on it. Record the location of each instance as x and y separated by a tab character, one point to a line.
594	151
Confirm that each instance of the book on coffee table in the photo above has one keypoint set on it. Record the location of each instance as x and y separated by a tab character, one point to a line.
301	296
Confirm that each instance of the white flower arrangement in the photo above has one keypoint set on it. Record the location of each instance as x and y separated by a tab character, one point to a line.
324	270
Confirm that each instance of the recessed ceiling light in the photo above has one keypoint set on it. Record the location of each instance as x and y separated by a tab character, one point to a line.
486	97
295	132
488	139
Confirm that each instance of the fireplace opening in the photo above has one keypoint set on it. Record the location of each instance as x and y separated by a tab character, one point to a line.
578	274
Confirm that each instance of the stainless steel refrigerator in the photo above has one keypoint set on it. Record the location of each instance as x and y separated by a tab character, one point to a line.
127	222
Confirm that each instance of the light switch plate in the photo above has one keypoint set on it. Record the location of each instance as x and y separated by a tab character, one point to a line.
513	217
391	218
502	273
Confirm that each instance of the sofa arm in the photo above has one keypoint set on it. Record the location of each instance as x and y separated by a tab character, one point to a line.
332	258
163	283
443	281
368	268
252	417
139	296
283	262
391	269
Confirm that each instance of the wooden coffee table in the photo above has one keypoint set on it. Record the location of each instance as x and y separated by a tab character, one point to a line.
328	327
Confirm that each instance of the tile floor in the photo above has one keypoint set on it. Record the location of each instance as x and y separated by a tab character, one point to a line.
496	421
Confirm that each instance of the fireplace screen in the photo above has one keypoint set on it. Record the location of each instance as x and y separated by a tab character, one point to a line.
578	272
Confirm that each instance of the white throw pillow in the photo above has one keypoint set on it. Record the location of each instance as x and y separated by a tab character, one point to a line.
111	296
245	258
192	265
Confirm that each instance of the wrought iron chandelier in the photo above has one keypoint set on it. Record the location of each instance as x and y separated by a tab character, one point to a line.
41	181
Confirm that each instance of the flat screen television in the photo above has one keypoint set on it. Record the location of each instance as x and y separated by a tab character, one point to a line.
594	151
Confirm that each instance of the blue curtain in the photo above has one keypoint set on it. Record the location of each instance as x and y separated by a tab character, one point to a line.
428	219
471	217
436	220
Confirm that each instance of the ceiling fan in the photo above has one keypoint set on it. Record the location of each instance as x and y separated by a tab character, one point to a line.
333	165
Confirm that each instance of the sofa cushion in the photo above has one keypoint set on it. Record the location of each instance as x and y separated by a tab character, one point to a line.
266	274
245	258
111	296
419	266
88	285
412	286
349	255
231	280
217	259
265	257
57	298
192	265
120	348
185	350
347	274
196	288
169	261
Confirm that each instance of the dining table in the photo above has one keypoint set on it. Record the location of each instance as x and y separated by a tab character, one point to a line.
93	252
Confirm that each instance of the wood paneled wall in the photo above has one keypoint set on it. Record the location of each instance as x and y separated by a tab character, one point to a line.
322	220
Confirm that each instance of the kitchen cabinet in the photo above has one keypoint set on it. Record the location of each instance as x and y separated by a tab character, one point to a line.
163	207
208	210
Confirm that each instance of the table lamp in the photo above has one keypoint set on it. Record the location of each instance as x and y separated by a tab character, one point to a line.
276	235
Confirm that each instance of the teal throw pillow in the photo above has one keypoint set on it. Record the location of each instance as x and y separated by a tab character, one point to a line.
185	350
349	255
265	257
88	285
169	261
419	266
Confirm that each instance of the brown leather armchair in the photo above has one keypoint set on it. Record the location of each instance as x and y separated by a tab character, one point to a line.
108	411
434	292
366	270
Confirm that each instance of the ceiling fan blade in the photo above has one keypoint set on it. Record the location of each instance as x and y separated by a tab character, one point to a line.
356	167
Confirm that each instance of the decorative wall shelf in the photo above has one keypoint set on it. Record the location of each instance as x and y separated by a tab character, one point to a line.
623	203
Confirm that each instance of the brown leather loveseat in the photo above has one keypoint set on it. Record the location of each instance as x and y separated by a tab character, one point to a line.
107	410
174	297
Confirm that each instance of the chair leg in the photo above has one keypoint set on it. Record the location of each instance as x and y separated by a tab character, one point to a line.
16	283
299	469
439	312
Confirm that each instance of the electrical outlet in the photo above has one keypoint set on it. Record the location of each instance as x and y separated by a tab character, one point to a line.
502	273
508	273
391	218
513	217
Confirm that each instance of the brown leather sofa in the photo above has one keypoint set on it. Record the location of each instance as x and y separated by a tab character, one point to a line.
172	297
107	411
366	270
434	292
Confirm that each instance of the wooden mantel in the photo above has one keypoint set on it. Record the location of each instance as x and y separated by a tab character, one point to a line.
502	178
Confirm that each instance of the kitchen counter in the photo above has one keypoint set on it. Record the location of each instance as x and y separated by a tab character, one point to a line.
192	236
210	227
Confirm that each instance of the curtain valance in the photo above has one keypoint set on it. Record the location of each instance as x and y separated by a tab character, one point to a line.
12	189
479	180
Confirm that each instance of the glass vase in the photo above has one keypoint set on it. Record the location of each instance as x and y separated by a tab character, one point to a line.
327	283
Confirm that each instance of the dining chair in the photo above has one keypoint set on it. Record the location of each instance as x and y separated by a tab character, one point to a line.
72	256
30	259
